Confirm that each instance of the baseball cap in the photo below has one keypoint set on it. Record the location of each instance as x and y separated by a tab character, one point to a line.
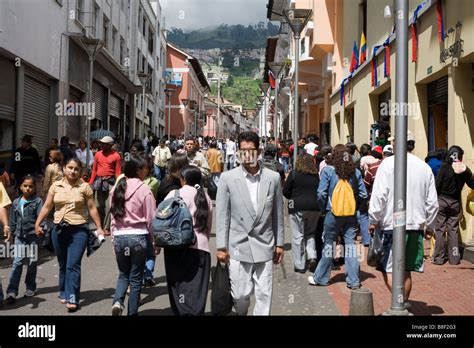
410	136
107	140
388	148
377	149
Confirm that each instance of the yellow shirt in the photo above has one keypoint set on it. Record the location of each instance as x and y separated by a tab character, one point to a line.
4	198
53	173
70	202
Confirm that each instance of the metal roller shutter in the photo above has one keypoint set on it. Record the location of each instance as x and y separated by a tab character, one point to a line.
116	107
36	113
73	129
438	92
99	100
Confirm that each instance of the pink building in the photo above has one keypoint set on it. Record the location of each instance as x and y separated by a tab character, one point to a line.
185	76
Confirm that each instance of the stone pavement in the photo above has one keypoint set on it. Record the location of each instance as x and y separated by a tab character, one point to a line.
291	295
440	290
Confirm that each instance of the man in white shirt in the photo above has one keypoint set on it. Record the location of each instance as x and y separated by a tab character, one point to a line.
421	210
231	148
161	155
311	146
249	233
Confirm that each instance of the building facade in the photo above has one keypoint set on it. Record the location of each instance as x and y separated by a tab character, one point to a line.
184	74
45	70
440	105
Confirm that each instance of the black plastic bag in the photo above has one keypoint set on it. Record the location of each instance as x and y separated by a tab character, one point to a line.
46	242
221	298
375	252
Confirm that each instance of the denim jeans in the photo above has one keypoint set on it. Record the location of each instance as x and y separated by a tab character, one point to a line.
70	245
159	172
285	161
333	226
130	252
150	260
363	219
25	248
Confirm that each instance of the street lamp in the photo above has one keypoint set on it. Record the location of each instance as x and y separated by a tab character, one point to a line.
143	80
264	86
400	184
297	20
276	69
92	47
169	92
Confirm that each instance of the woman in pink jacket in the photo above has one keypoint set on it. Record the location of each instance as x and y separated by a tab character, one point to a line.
188	270
132	209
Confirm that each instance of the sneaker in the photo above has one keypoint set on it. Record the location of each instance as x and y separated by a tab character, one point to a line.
11	297
149	282
30	293
311	281
300	270
354	287
117	309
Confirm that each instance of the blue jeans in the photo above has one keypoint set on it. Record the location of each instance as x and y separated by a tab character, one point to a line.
25	248
333	226
70	245
285	161
363	218
159	172
150	260
130	252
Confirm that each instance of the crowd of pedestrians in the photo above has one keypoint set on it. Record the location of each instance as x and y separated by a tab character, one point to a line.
333	195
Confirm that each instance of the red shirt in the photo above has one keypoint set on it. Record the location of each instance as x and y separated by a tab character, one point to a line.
106	165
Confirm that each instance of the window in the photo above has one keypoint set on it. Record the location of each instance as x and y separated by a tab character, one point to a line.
139	16
122	49
95	20
114	40
105	31
144	26
80	11
151	40
143	62
139	59
149	84
363	18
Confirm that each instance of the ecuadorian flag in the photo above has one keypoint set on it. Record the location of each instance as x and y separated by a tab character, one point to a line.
363	49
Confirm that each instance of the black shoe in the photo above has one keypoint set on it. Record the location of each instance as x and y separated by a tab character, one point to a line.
300	270
149	282
312	263
354	287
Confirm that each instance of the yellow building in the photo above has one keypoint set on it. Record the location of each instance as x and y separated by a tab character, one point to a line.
440	83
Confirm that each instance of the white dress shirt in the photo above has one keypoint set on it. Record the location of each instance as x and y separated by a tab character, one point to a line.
253	182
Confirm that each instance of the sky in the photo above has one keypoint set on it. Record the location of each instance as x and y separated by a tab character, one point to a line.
196	14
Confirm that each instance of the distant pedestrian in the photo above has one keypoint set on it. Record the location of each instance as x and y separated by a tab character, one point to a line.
25	160
132	210
54	171
304	212
25	211
421	209
173	180
452	177
65	149
82	152
106	169
161	155
4	203
71	198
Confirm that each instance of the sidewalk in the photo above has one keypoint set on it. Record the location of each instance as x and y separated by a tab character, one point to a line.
440	290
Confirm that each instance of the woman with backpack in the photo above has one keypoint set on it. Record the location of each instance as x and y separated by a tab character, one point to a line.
172	181
188	269
304	212
341	191
132	209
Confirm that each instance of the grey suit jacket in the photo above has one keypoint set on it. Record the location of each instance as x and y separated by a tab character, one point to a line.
249	235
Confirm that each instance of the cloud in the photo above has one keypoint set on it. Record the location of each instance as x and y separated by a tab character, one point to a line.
194	14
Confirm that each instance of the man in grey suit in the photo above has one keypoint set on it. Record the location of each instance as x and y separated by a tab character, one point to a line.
249	233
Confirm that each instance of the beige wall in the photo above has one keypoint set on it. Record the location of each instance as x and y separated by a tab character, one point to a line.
363	98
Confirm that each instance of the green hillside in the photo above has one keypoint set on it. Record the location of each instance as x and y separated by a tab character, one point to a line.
239	90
